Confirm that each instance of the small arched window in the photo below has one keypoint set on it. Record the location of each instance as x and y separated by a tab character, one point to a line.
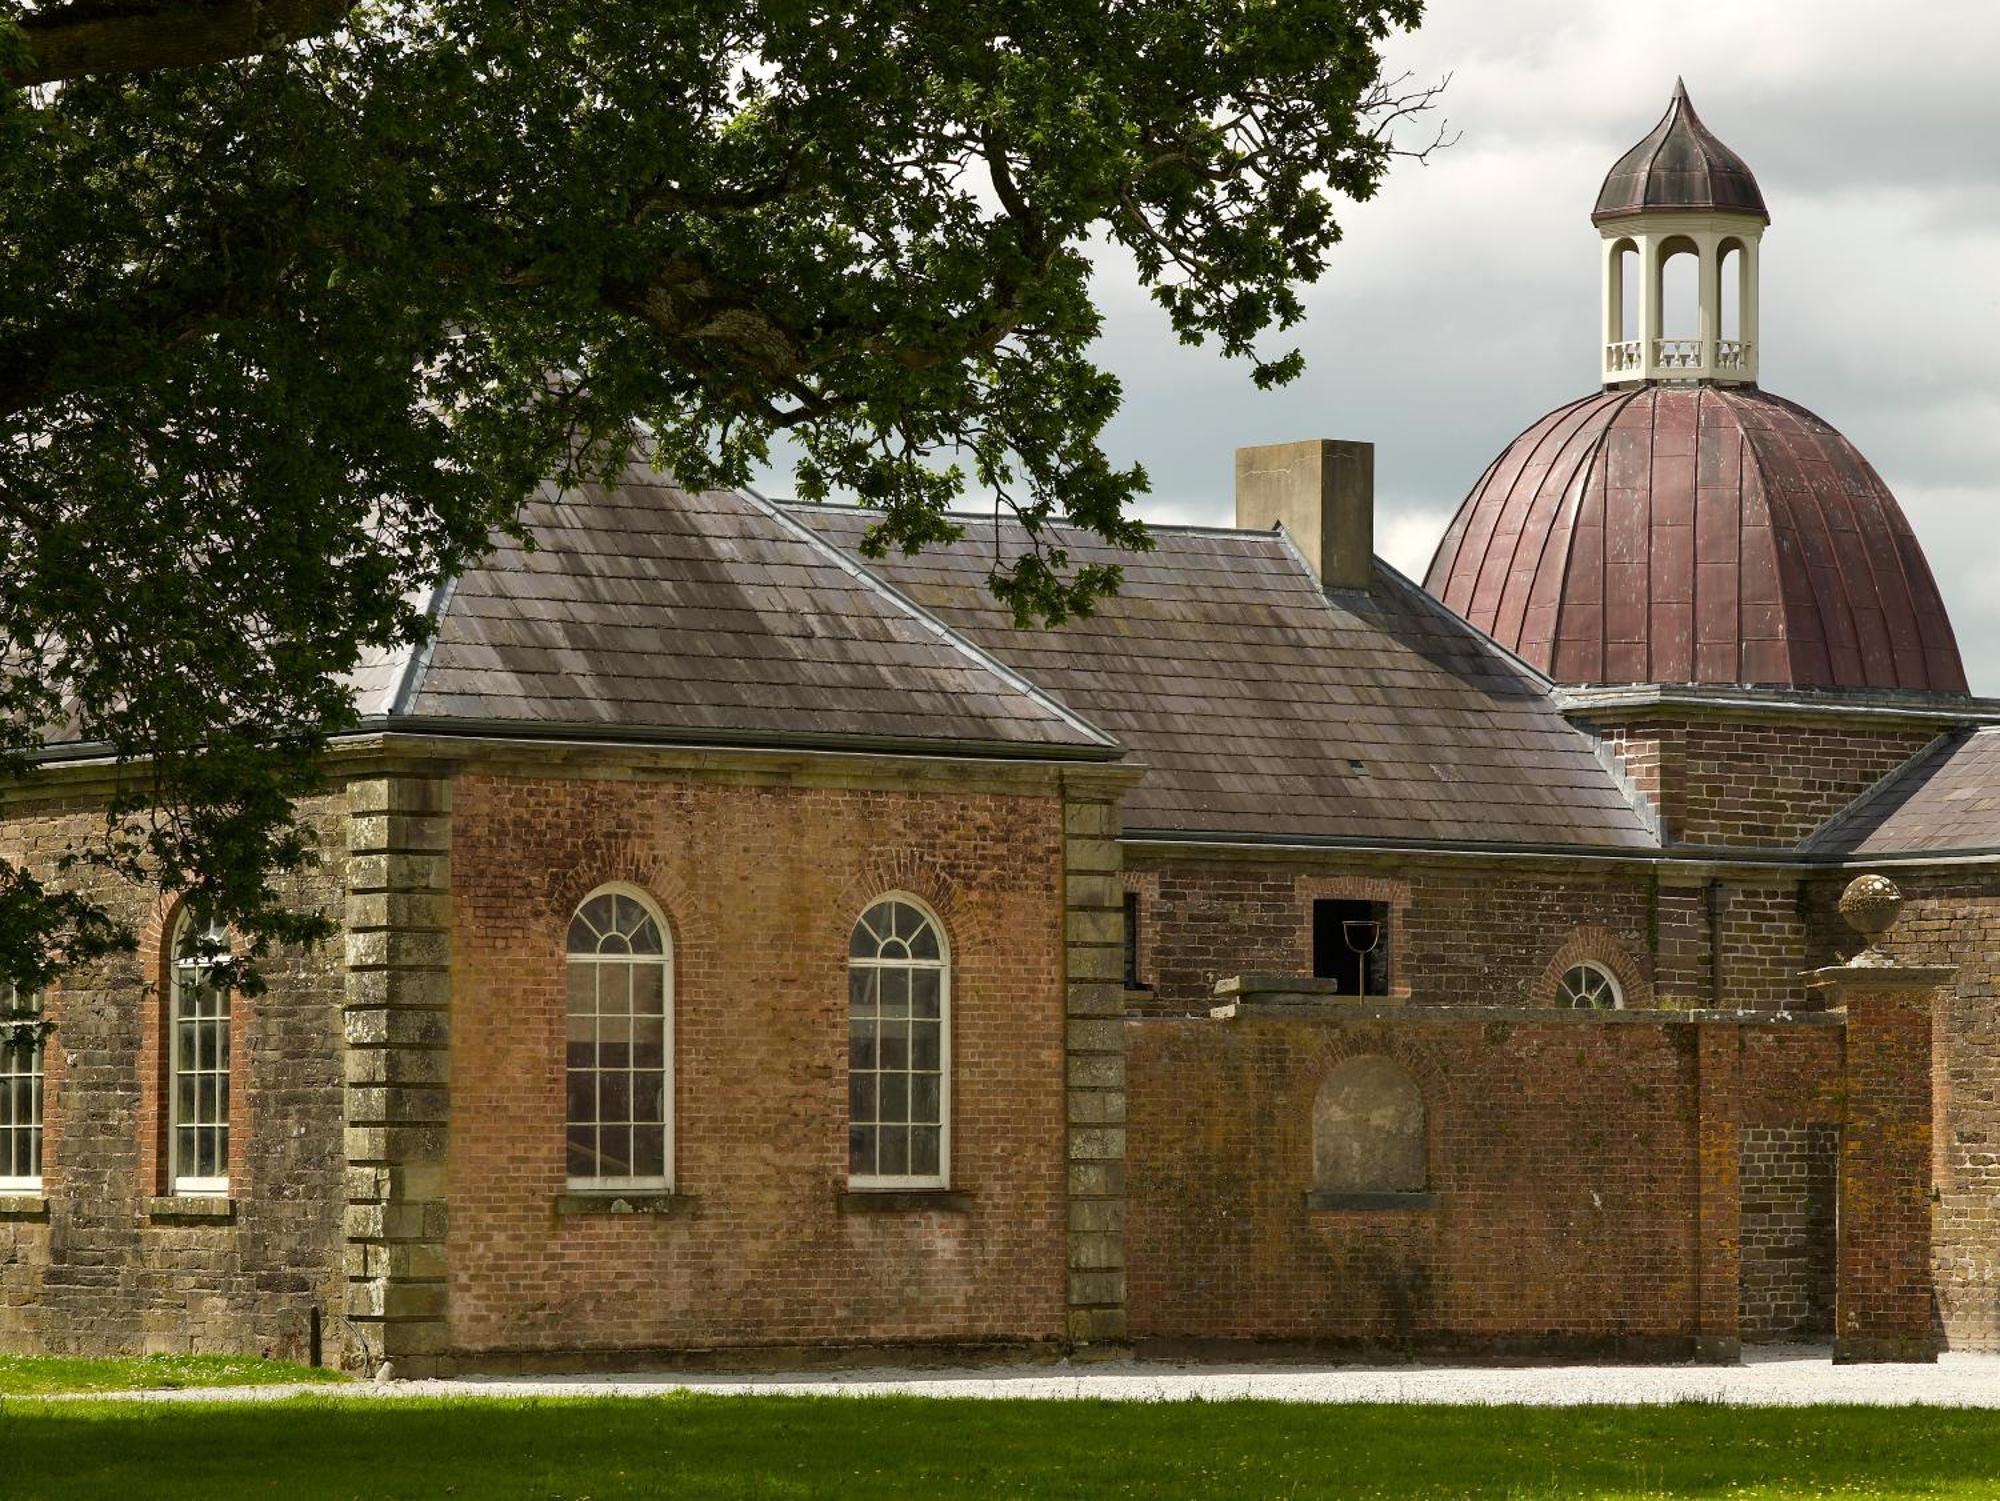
22	1033
198	1059
618	1118
898	1048
1589	987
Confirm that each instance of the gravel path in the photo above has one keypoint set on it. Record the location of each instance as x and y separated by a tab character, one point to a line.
1787	1376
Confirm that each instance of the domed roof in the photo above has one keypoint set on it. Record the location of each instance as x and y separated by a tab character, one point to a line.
1696	534
1681	166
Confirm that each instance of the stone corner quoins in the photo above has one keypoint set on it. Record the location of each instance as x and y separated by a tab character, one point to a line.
397	1024
1093	966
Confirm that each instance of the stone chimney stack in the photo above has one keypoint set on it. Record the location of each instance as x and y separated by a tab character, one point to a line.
1322	491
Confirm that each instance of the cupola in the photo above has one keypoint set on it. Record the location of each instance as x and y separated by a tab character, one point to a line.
1680	192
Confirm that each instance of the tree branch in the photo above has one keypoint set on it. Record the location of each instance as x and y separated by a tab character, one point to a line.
83	38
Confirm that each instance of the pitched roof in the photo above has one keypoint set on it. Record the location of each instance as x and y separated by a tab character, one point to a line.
645	608
1263	706
1945	800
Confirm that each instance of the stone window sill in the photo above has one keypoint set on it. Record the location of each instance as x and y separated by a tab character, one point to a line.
171	1208
1319	1200
658	1201
24	1206
904	1200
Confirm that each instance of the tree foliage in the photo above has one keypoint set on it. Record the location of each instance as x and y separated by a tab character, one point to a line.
300	299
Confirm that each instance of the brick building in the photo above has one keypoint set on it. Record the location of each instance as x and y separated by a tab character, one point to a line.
750	945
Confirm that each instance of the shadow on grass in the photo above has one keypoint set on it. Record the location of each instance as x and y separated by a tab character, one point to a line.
712	1446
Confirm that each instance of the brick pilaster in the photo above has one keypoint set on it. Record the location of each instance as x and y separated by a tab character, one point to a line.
1719	1194
398	1031
1093	968
1882	1290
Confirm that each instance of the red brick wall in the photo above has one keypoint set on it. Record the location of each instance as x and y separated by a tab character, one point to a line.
1566	1157
761	885
1462	933
1954	918
1728	782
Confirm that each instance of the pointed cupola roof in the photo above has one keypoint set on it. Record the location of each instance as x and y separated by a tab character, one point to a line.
1679	167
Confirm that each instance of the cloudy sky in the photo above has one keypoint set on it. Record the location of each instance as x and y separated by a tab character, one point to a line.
1463	304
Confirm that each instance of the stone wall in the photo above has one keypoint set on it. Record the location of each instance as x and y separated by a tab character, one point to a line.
1953	917
107	1263
761	880
1586	1176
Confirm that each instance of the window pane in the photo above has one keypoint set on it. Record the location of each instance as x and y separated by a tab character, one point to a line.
582	1153
614	1145
648	1103
926	985
184	1100
924	1099
893	1097
861	1150
895	992
924	944
614	1096
924	1045
868	933
649	989
861	1097
649	1053
924	1144
204	1154
582	989
861	991
649	1154
895	1045
582	1095
894	1158
614	989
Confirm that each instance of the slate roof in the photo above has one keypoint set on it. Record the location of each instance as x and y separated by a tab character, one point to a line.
713	615
1680	165
1263	706
1945	800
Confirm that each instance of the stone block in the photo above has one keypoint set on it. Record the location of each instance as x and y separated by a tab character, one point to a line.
1092	856
1091	820
1090	1252
1096	1070
389	833
397	1026
1097	1216
398	988
397	1104
1105	926
385	948
398	872
1097	1144
396	1143
399	909
1089	1289
1092	1178
1094	998
1095	1037
1105	891
398	1066
399	795
1097	1107
1095	961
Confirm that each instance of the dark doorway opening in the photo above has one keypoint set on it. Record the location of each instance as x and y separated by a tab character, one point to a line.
1351	945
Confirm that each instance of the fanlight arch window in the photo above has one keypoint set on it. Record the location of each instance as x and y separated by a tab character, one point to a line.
619	1082
1589	987
22	1037
898	1048
198	1066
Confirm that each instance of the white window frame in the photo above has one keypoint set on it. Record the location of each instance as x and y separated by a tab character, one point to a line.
1604	973
663	1182
36	1127
182	1184
943	965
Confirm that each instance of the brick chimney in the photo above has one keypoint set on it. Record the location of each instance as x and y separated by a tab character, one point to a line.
1322	491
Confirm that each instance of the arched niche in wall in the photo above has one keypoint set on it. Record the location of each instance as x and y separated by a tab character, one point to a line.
1370	1148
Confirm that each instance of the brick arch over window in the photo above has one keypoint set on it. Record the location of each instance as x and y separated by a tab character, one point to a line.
1370	1129
619	864
1595	945
907	869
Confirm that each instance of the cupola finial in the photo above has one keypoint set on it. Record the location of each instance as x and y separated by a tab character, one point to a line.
1680	191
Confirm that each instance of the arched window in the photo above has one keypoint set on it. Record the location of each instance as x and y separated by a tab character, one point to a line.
198	1060
898	1048
1589	987
620	1087
22	1033
1368	1130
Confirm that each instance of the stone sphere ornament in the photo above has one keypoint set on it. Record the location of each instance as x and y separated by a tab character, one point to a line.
1870	904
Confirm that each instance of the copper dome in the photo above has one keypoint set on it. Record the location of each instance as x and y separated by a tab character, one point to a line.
1679	167
1696	534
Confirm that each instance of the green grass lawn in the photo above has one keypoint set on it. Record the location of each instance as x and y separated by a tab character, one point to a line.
706	1446
33	1376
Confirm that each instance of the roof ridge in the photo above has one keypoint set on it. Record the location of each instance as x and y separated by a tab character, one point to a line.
839	557
1179	528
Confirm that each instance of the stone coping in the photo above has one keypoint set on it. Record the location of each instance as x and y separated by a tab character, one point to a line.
24	1205
1304	1006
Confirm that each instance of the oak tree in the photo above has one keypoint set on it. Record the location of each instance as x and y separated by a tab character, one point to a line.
299	299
